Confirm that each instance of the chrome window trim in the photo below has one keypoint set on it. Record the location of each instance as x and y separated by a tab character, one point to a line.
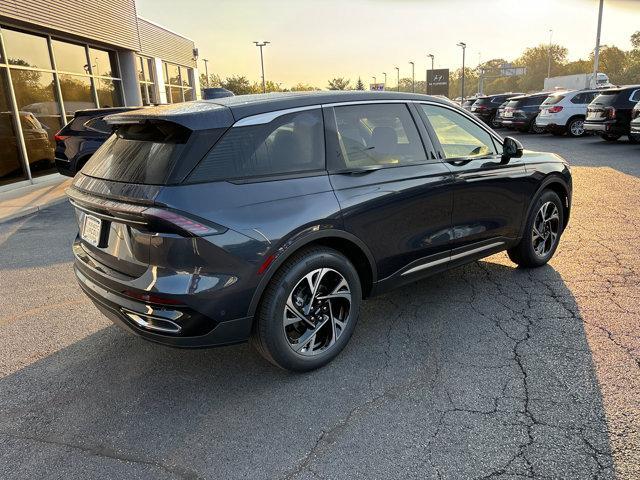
267	117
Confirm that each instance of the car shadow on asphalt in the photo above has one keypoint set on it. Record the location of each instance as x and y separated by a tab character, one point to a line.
482	370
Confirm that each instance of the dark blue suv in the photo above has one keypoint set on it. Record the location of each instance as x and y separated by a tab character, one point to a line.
271	217
81	137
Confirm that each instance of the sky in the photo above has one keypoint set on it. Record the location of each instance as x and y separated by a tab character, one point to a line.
315	40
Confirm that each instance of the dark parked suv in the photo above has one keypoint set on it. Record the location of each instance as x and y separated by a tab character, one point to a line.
521	112
486	108
271	217
81	137
609	114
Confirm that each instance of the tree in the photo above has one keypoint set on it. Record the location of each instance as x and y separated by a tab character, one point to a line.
303	87
239	85
359	84
339	83
536	60
635	39
612	62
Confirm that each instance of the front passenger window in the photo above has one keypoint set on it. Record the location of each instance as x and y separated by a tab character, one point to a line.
459	136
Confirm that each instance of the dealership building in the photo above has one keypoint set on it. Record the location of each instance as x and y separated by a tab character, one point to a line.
59	56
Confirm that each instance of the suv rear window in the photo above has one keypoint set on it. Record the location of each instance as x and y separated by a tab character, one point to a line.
606	99
141	153
292	143
483	101
553	99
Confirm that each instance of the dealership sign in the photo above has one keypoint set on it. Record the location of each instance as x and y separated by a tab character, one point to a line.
376	86
438	81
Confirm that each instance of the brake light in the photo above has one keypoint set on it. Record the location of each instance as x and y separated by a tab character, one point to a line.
181	222
555	109
480	107
610	113
59	138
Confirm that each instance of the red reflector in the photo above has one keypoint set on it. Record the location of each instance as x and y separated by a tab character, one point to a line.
60	138
555	109
266	264
151	298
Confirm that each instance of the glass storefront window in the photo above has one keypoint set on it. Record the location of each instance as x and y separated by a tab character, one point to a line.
35	96
26	50
173	72
103	63
76	93
11	166
70	57
108	93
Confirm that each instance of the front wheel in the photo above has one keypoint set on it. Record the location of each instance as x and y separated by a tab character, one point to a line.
542	232
309	310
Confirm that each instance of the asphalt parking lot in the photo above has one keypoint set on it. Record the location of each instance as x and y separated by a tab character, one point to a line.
484	371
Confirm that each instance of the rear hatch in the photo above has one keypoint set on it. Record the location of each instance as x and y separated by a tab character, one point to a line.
510	108
550	105
602	108
481	105
115	194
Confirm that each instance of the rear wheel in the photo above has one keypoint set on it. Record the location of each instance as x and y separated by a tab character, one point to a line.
542	232
536	129
634	137
309	310
494	123
609	137
575	128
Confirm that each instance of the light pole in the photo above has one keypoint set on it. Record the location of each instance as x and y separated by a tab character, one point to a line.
464	47
596	53
385	80
413	77
206	70
375	82
398	70
260	45
549	61
430	55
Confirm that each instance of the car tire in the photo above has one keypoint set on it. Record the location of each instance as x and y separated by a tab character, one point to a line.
575	128
541	234
609	137
536	129
298	330
634	138
493	123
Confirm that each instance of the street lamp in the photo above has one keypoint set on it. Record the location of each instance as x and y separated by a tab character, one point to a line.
413	77
385	80
549	60
596	52
206	70
398	69
430	55
260	45
463	46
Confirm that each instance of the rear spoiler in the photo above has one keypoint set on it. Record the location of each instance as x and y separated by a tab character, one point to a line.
198	115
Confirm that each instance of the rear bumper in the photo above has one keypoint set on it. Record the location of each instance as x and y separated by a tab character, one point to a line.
178	325
64	167
519	122
606	127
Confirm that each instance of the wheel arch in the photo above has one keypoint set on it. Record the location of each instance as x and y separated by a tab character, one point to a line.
556	183
348	244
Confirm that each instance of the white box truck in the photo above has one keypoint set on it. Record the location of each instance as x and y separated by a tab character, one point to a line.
577	82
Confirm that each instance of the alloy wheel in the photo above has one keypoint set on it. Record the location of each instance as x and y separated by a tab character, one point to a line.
317	311
546	228
577	128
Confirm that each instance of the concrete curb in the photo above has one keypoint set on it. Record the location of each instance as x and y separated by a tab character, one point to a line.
31	210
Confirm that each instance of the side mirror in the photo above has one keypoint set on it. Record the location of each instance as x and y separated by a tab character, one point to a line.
511	148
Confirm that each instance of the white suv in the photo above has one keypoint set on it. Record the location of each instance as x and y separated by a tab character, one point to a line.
564	112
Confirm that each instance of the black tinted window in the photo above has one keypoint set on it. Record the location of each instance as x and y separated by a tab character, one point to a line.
378	134
606	98
98	125
289	144
635	97
533	101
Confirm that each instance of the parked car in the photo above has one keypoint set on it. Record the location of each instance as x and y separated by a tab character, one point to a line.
36	139
272	217
486	108
81	137
499	113
635	123
609	114
521	112
468	103
564	112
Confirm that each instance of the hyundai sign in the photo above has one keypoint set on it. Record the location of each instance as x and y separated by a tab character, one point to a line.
438	81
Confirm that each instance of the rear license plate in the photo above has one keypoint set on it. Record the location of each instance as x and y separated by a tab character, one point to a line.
508	114
91	230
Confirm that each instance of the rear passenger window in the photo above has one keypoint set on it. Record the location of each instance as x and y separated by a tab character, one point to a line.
98	125
292	143
377	134
635	97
